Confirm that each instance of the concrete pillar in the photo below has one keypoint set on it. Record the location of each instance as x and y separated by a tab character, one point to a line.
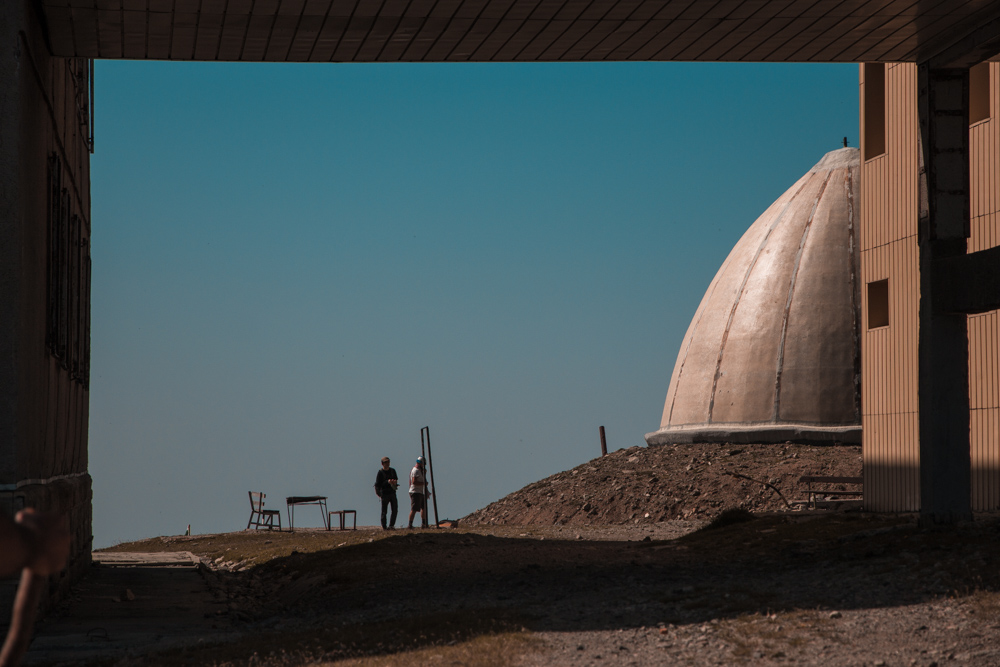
943	377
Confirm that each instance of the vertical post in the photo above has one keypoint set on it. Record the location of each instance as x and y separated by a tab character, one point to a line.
423	454
604	443
430	471
943	346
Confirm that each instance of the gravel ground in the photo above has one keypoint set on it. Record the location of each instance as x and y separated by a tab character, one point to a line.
607	584
782	588
655	484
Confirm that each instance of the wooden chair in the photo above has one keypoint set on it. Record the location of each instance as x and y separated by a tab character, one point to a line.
260	517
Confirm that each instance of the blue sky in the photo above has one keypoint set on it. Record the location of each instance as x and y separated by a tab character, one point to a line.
295	267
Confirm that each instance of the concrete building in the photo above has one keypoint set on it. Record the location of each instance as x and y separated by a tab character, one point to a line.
45	143
772	353
45	226
893	209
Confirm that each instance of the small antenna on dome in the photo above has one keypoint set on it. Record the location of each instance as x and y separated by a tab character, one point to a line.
845	142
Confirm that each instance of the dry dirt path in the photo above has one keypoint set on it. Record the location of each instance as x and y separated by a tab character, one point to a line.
604	564
842	589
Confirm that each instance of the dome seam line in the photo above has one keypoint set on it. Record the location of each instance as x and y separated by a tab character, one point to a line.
791	291
739	296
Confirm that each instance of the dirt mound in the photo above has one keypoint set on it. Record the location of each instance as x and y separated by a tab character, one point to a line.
652	484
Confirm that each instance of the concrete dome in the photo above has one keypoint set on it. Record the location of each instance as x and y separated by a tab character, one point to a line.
772	353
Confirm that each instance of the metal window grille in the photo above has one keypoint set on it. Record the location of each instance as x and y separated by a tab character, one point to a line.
68	289
82	72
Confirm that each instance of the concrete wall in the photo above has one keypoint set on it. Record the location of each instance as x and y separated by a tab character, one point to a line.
44	279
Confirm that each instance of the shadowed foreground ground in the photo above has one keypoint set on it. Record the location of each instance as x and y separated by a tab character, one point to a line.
782	589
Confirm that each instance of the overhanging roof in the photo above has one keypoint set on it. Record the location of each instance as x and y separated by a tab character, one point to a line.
519	30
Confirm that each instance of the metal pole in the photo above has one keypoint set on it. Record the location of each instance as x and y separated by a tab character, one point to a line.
430	469
423	455
604	443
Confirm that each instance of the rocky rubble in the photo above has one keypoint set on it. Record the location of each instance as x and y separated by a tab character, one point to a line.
656	484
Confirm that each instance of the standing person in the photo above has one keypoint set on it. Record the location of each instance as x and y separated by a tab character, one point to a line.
386	482
419	493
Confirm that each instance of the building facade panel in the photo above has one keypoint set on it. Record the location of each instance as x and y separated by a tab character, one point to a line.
889	253
984	338
889	216
45	143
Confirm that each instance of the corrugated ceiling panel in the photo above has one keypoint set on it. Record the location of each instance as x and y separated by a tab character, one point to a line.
61	29
429	33
378	36
328	37
134	29
258	36
552	31
232	37
109	34
473	39
496	39
778	30
757	40
158	40
649	32
452	37
354	36
406	31
577	31
182	36
282	34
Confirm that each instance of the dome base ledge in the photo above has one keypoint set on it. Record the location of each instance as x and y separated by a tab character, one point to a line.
746	434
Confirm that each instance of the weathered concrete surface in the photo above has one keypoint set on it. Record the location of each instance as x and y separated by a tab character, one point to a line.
772	353
749	434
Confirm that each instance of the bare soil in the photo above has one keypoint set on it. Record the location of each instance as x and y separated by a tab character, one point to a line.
655	484
802	588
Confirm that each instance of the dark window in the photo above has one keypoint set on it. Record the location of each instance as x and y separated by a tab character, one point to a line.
68	313
874	110
878	304
979	92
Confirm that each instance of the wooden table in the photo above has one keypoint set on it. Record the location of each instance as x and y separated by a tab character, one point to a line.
292	501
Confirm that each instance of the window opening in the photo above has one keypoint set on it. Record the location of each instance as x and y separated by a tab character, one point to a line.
878	304
874	109
68	313
979	92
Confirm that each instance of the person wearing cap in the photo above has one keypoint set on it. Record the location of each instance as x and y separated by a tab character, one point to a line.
419	493
386	481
